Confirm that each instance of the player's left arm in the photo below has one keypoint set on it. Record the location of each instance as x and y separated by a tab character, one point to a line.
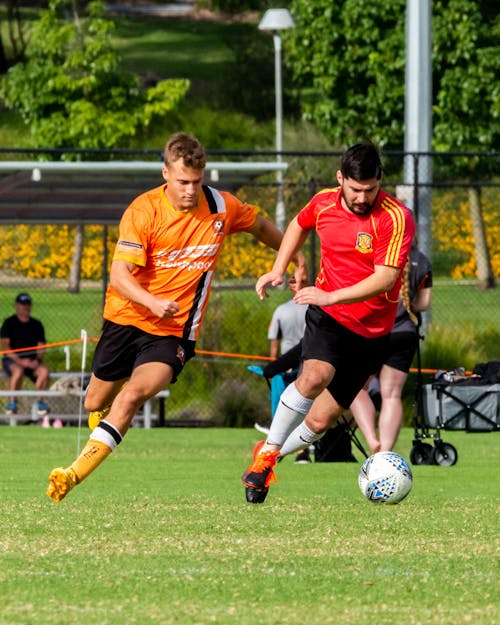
381	280
265	231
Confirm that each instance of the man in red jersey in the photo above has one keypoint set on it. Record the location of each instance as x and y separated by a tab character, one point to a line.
365	236
170	239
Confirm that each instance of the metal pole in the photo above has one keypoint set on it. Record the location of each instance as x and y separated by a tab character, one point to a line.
280	204
418	123
418	115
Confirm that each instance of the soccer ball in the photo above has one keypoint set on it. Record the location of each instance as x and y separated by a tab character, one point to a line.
385	477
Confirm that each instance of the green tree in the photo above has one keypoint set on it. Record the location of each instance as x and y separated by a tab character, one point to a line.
466	60
70	93
12	39
348	61
466	112
69	90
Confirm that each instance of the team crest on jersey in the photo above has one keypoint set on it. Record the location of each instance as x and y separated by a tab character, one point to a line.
364	243
181	354
218	226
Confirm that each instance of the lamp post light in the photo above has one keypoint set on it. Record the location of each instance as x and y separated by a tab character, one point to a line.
275	20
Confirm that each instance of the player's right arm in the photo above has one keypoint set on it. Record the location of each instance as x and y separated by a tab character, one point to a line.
292	242
123	281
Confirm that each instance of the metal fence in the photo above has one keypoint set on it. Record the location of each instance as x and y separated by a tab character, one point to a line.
456	200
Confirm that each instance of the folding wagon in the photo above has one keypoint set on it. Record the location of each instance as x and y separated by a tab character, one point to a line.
466	405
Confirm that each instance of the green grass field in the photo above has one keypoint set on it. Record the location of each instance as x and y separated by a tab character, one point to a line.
161	535
178	48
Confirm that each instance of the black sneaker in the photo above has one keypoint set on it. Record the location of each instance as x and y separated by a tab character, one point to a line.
303	457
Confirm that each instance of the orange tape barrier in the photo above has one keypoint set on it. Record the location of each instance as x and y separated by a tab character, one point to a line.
253	357
198	351
46	346
229	355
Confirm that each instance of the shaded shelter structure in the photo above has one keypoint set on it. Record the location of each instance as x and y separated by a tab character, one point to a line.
85	192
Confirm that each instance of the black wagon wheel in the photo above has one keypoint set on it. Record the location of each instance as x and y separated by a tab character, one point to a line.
421	453
444	454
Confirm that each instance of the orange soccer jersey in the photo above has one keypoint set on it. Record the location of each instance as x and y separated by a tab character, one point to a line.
175	254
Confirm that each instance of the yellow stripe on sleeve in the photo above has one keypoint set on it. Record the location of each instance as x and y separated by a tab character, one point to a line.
398	219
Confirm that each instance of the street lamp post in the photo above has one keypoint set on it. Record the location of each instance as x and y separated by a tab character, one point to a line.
275	20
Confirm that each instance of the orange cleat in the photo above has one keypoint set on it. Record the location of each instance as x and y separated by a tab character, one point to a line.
258	476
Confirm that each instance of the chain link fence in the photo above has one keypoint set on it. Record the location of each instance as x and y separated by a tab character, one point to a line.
456	202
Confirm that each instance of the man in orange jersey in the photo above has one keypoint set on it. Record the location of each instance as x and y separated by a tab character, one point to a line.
365	237
169	242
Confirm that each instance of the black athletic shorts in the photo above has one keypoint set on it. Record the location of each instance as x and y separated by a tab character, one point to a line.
354	357
402	348
7	362
122	348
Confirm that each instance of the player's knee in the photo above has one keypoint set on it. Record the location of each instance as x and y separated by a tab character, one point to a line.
321	421
311	383
91	404
133	396
317	424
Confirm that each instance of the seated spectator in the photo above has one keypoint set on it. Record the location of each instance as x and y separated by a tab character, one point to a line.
17	332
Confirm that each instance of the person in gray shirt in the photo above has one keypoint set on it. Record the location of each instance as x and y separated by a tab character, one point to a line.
287	323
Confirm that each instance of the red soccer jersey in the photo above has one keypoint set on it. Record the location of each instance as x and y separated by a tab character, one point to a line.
351	246
175	254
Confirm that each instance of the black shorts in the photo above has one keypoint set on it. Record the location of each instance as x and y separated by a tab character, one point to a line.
354	357
402	348
7	362
123	348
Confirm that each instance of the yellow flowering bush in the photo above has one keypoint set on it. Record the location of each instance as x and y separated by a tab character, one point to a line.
243	256
452	232
46	251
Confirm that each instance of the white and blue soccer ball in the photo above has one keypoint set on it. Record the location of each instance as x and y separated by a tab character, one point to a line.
385	477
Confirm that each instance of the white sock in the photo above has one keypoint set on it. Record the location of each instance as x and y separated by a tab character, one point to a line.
300	438
291	410
107	434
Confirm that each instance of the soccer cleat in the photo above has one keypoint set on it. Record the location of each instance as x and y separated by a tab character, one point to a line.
12	408
96	416
256	448
61	481
258	476
45	422
42	409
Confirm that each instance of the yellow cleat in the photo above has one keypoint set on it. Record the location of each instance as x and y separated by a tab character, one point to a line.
61	481
97	416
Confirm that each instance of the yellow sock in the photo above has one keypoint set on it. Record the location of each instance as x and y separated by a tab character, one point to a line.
91	457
